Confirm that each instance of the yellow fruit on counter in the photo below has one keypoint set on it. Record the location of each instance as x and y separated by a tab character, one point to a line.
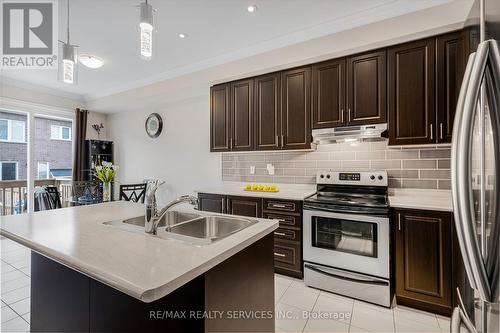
255	187
248	187
273	188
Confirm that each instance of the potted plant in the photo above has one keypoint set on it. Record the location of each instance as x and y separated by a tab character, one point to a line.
106	173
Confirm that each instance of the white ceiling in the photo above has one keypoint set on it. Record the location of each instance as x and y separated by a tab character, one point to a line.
219	31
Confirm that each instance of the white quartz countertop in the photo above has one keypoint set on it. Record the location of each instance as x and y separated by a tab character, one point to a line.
286	191
143	266
421	199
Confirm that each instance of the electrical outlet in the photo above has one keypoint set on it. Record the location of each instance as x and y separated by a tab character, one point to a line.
270	169
252	170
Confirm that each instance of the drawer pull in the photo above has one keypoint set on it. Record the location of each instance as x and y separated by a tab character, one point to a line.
279	254
279	233
278	205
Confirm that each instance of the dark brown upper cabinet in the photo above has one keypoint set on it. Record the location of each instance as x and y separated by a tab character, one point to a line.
220	117
366	88
296	108
242	116
450	61
411	86
267	114
328	94
423	260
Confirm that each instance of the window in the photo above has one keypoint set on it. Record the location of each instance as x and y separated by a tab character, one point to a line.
12	130
43	170
58	132
8	170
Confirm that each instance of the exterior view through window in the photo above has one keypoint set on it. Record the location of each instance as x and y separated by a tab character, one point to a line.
52	165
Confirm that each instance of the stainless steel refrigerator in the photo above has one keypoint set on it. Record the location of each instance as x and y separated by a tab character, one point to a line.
476	175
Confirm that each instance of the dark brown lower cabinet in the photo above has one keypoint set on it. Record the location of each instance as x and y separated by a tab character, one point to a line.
245	206
426	273
287	238
228	204
214	203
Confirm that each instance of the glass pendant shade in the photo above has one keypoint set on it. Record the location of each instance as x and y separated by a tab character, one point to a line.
146	26
68	63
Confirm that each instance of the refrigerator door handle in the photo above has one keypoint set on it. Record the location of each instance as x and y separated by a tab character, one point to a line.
461	171
492	78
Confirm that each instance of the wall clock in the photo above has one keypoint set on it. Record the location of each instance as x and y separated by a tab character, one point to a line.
154	125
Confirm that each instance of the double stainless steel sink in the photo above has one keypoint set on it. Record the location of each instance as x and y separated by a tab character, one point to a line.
189	227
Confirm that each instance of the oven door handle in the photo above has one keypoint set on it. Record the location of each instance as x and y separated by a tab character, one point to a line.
341	211
308	213
351	234
316	269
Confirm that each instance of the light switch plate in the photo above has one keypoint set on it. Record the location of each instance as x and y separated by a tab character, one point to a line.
252	170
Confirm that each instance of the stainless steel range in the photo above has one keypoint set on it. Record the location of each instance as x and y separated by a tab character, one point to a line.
347	236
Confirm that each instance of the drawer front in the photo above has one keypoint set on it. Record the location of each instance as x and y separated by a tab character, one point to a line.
285	220
287	256
282	206
288	234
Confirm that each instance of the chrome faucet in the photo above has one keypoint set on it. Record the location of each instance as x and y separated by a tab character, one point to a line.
153	216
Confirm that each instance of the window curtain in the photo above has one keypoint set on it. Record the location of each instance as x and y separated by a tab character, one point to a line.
80	159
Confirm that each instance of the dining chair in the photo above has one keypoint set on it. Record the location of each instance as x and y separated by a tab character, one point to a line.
87	187
54	197
133	192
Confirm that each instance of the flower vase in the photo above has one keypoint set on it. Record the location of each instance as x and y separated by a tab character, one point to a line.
106	192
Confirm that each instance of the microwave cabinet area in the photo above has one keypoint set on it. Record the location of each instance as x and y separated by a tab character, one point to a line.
350	91
428	263
287	238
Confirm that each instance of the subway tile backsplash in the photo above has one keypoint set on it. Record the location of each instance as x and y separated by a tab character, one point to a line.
427	167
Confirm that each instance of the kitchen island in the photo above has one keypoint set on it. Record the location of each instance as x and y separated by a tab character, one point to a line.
88	276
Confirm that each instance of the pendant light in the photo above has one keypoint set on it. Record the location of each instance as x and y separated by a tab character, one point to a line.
146	26
68	59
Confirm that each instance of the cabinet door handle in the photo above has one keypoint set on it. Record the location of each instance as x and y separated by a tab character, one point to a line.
282	140
441	131
278	205
349	114
399	221
277	140
223	205
230	143
432	132
279	234
279	254
342	115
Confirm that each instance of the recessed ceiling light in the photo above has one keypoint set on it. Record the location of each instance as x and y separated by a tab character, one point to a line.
182	35
252	9
90	61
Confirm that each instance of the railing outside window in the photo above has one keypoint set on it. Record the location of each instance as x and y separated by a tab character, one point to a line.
13	194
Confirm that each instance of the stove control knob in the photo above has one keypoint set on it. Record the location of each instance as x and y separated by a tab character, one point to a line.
328	176
372	177
380	177
321	176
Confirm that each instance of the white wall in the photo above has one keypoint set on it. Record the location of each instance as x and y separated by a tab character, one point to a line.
97	118
30	93
180	155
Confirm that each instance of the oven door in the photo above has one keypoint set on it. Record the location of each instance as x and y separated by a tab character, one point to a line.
359	243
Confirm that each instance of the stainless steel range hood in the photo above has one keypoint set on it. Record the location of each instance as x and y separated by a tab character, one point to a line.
350	134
